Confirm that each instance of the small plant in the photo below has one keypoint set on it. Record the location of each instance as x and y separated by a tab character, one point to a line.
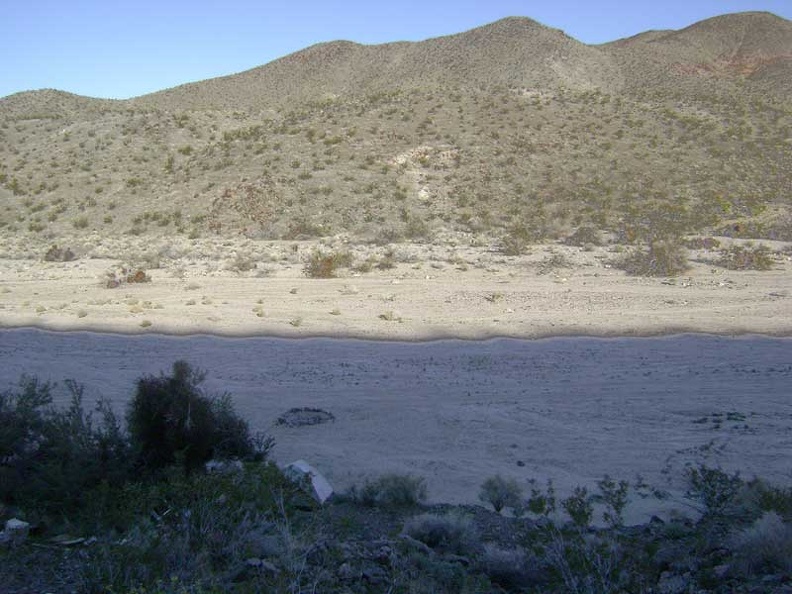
614	496
579	507
541	503
714	489
501	493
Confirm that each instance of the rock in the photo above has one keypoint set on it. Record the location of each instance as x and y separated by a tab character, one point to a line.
319	487
224	466
673	583
15	533
305	416
721	571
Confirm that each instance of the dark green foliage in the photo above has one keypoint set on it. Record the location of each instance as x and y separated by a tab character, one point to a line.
49	457
171	421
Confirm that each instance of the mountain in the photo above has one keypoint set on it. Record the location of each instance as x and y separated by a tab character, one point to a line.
512	126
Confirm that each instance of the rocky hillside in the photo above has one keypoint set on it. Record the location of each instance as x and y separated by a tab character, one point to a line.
508	128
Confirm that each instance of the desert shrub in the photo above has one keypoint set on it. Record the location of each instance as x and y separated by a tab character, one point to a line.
579	508
509	568
661	258
56	254
516	240
172	421
765	546
541	502
614	496
712	488
501	493
746	257
392	490
324	265
585	235
449	533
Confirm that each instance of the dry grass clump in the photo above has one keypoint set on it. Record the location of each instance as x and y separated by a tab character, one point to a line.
746	257
392	490
663	257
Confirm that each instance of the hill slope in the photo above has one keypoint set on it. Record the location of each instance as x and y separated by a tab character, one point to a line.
508	128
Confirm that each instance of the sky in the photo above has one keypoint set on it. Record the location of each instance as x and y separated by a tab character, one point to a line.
119	49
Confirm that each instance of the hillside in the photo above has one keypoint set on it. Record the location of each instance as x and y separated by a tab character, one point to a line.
509	128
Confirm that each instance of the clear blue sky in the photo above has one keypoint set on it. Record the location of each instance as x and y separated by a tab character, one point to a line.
120	49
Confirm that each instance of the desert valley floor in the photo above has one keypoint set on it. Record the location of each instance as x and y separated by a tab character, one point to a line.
456	412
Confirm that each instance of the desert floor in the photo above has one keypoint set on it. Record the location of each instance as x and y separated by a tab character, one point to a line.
570	408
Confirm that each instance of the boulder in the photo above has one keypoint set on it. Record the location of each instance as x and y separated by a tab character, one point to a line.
302	472
15	533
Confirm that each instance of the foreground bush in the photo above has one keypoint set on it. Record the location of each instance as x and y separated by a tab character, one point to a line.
50	457
172	421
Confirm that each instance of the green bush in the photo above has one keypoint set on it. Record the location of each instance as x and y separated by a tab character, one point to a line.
714	489
501	493
171	421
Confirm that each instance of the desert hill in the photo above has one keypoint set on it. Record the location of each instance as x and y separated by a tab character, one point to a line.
512	129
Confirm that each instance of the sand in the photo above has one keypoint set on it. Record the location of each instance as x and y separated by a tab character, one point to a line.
570	409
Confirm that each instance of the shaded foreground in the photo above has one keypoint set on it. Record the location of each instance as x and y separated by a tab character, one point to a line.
158	523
